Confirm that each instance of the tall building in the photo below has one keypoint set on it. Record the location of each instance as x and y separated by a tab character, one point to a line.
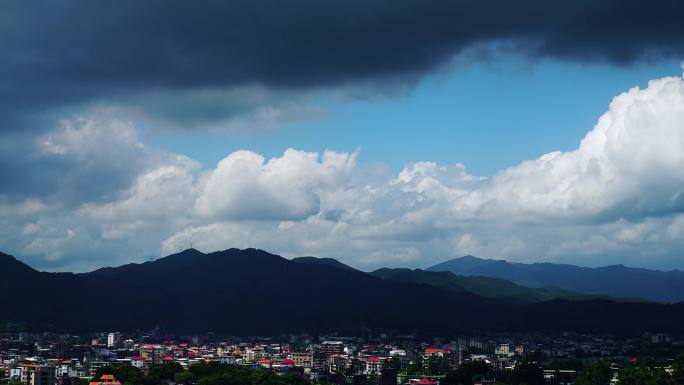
374	365
32	374
332	347
111	340
153	353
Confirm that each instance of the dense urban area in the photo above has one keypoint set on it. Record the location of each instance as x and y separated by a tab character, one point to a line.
375	359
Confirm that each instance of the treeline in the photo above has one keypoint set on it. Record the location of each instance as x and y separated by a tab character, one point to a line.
200	374
468	373
645	371
642	372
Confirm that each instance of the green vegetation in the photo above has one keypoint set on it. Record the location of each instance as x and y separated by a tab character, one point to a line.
436	365
395	363
599	373
678	369
649	372
643	372
200	374
482	286
527	373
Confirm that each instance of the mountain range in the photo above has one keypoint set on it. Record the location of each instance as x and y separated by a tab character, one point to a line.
484	286
253	292
615	281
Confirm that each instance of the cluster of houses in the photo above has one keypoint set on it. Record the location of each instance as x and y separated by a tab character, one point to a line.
70	360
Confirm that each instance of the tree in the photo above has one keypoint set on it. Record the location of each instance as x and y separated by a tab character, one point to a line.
528	373
166	371
678	369
184	378
415	366
467	372
437	365
644	374
573	364
395	363
124	373
599	373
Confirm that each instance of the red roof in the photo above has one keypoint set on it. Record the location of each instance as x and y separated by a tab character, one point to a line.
287	361
435	350
425	381
374	359
137	358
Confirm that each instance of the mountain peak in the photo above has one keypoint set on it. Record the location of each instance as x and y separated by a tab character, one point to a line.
614	280
323	261
462	265
10	265
470	258
191	252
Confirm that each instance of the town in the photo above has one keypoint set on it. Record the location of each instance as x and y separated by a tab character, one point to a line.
114	358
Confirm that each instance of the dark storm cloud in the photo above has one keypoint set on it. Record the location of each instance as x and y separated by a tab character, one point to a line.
58	53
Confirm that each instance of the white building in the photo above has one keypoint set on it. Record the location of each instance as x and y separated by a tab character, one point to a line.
503	350
113	339
374	366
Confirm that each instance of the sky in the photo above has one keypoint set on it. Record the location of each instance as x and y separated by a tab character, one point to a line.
381	133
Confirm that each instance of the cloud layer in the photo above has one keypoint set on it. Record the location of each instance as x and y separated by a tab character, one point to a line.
199	63
109	199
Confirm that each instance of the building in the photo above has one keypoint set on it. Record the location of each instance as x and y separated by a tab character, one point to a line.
106	379
111	340
421	381
227	359
34	374
94	366
153	353
304	360
519	350
503	350
374	366
332	347
138	362
434	352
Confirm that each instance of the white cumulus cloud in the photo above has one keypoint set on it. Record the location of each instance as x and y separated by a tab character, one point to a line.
618	197
246	186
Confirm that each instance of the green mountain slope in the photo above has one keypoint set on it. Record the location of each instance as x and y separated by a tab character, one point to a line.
482	286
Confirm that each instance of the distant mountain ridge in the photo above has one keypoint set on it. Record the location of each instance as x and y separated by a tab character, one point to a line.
253	292
616	280
483	286
323	261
